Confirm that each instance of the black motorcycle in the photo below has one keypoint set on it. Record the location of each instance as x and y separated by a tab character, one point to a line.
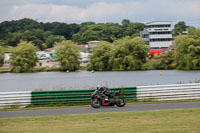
106	98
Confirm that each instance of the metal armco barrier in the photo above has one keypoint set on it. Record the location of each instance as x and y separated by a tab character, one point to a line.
168	92
141	93
73	96
20	99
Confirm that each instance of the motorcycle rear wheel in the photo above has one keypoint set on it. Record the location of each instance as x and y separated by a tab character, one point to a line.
95	103
121	102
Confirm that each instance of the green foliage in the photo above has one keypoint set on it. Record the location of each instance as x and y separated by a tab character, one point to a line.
125	54
99	60
63	29
24	57
125	22
18	26
103	32
2	43
133	29
52	39
68	55
1	56
107	32
129	54
179	28
11	32
12	39
165	61
149	65
36	36
188	50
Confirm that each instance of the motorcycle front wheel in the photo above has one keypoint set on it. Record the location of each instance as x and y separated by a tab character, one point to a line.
95	103
121	102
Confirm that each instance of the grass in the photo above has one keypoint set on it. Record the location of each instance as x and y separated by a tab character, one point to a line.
5	70
48	106
43	69
159	121
46	69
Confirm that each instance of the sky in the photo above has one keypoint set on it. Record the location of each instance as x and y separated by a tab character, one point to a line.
102	11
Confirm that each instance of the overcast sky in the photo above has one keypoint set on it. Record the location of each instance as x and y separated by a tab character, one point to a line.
78	11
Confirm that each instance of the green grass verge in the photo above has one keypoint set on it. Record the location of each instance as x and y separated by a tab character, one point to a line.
159	121
49	106
5	70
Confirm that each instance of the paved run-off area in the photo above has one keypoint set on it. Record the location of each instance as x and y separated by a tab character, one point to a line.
87	110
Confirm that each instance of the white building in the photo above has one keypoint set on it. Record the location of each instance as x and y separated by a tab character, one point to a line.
158	34
7	57
42	55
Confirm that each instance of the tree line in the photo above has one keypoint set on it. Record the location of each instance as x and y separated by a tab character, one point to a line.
123	54
44	35
24	58
120	47
131	54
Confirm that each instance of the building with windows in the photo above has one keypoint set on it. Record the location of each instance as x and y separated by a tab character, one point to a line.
158	34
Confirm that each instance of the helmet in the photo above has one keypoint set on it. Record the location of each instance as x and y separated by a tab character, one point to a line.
98	87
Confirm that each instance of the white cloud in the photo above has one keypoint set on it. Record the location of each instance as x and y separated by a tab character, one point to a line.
136	10
94	12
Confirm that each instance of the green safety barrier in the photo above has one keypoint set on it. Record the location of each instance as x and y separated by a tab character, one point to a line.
74	96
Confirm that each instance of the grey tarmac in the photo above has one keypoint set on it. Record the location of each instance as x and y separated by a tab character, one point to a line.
86	110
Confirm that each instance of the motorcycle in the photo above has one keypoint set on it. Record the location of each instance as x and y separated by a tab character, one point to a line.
108	98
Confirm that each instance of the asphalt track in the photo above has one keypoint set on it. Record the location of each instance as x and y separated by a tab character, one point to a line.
86	110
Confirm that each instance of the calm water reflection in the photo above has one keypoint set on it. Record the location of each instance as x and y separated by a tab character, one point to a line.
88	80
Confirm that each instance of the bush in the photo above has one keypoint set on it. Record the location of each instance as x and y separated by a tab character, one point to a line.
67	55
24	57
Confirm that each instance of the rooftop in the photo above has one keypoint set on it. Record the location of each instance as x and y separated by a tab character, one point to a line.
158	22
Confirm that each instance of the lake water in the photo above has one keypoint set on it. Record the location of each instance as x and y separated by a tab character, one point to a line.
88	80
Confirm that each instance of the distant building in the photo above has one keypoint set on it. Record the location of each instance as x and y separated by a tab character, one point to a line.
50	50
172	47
82	47
42	55
158	34
92	44
7	57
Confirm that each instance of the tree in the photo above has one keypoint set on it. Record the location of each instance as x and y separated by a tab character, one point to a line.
188	50
12	39
129	54
52	39
179	28
18	26
68	55
94	32
77	37
2	43
24	57
102	32
99	60
165	61
125	22
36	36
1	56
134	29
112	32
